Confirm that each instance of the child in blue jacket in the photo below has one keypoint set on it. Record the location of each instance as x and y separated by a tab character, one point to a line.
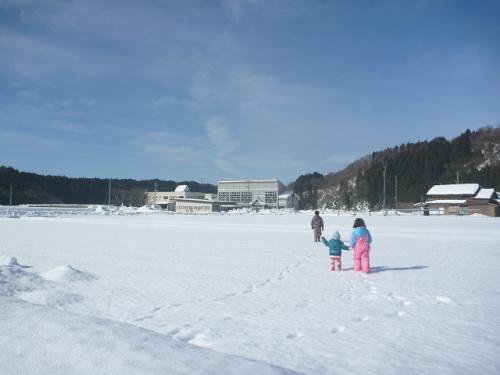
335	246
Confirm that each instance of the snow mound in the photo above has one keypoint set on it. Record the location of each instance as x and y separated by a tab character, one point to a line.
478	215
14	279
66	274
8	261
61	343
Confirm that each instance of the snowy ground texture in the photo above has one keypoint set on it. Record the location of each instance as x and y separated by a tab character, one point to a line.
247	294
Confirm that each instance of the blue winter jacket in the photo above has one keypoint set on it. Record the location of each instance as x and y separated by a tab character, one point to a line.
360	232
335	246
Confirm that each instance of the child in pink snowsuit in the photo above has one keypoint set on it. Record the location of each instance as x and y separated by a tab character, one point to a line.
360	242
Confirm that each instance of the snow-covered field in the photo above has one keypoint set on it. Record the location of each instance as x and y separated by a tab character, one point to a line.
247	294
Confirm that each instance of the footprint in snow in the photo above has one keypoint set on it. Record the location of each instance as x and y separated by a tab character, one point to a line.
205	339
363	319
338	329
292	336
396	313
444	300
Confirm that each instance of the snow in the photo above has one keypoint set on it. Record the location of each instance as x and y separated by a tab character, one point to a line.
66	274
8	261
485	194
447	201
246	294
182	189
286	194
454	189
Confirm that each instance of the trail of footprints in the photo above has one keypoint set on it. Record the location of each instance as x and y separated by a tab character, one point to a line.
363	288
250	289
369	290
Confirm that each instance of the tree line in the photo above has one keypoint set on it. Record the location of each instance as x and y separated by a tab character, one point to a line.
32	188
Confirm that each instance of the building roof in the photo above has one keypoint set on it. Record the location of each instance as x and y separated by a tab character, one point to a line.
286	195
233	181
454	189
447	201
207	201
485	194
182	188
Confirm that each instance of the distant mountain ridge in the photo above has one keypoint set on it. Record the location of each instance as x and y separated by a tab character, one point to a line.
35	188
474	156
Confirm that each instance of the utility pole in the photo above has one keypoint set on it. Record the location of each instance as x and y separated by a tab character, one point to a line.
458	178
109	193
10	196
396	192
156	189
384	172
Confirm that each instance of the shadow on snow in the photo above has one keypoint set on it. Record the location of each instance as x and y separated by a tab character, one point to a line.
387	268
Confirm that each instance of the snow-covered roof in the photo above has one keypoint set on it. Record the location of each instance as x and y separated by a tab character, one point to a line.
485	194
233	181
182	188
208	201
454	189
286	195
447	201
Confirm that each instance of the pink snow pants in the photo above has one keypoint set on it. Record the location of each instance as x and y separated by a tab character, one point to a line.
336	259
362	256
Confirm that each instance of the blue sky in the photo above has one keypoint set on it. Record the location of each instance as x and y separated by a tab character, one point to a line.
210	90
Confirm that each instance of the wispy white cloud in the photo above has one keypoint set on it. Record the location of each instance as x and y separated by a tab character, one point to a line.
219	135
24	139
223	143
172	146
272	8
65	127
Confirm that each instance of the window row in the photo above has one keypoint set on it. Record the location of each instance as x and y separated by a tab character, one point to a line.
236	196
271	196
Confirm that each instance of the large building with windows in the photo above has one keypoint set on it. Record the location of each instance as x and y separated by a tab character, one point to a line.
251	193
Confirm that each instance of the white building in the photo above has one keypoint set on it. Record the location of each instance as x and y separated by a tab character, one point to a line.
288	200
199	206
164	198
253	193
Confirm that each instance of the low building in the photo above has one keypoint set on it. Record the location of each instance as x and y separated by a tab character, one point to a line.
485	202
250	193
463	199
165	198
288	200
198	206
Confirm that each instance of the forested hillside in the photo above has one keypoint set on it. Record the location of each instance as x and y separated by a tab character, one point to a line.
35	188
470	157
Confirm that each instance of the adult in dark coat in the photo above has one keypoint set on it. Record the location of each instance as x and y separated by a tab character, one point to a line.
317	226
